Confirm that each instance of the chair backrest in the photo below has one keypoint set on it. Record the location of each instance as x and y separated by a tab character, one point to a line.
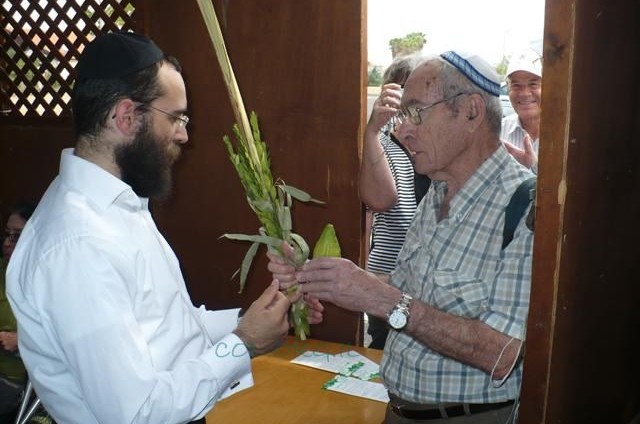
28	405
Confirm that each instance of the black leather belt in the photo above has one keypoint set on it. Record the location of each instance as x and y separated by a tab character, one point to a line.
451	410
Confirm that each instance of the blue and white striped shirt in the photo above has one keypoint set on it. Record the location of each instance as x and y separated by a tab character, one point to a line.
390	227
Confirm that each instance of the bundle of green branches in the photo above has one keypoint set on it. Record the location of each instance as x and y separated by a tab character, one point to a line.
271	201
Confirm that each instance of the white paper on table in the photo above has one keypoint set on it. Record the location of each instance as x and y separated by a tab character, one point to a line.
361	367
356	387
321	360
349	363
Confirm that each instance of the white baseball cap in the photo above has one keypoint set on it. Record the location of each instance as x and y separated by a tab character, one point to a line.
528	60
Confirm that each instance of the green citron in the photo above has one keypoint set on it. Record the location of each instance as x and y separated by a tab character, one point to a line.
327	245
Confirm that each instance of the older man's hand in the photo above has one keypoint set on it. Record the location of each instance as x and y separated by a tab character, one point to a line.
284	272
281	268
341	282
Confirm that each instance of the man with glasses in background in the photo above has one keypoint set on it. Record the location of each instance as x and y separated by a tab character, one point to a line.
458	299
107	330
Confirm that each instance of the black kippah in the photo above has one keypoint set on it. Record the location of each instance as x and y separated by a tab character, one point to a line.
117	54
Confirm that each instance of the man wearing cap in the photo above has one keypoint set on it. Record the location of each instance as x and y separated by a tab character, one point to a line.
521	130
457	301
108	332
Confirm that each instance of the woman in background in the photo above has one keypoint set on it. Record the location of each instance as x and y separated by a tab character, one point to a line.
12	372
387	183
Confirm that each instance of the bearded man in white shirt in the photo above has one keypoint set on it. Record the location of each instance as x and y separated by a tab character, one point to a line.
107	329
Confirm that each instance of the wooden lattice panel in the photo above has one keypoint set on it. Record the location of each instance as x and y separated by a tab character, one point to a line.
41	41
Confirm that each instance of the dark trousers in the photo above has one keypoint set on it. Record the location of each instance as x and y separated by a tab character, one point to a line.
500	415
9	395
378	330
200	421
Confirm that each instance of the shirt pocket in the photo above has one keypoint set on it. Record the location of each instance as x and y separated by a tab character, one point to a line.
459	294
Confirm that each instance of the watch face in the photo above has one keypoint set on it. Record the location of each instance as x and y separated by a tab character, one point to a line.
397	320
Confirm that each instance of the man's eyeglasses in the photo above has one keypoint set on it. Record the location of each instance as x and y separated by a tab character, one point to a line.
413	113
12	236
182	120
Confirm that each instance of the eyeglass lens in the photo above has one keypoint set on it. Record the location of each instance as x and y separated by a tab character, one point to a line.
181	120
13	236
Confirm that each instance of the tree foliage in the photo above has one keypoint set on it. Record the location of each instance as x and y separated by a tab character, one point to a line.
375	77
501	68
409	44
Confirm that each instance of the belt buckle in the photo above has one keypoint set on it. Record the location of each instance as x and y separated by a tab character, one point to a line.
422	414
396	409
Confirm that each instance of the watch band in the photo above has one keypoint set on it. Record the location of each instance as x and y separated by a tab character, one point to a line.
404	302
398	318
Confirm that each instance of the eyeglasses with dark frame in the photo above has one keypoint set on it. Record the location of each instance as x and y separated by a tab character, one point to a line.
13	236
413	114
182	120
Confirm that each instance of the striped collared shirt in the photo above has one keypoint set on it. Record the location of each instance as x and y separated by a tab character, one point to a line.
514	132
458	266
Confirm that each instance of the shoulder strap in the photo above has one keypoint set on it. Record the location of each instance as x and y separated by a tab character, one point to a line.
521	198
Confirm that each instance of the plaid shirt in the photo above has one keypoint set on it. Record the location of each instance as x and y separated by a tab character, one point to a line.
458	266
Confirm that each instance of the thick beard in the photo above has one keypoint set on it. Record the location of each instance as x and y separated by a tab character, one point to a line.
145	166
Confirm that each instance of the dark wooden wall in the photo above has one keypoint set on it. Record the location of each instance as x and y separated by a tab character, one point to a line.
299	65
582	362
29	158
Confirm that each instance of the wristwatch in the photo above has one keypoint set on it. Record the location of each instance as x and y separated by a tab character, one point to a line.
399	315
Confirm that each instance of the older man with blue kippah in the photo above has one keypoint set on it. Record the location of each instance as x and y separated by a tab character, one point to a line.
458	299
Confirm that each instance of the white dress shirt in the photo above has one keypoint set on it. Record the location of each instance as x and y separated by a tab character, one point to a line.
106	327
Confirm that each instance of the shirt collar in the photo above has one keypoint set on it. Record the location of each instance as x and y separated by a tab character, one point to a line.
479	182
98	185
512	124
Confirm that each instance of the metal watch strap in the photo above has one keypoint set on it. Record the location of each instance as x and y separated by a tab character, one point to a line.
404	302
400	312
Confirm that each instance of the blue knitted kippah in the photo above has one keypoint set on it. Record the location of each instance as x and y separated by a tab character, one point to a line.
476	69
